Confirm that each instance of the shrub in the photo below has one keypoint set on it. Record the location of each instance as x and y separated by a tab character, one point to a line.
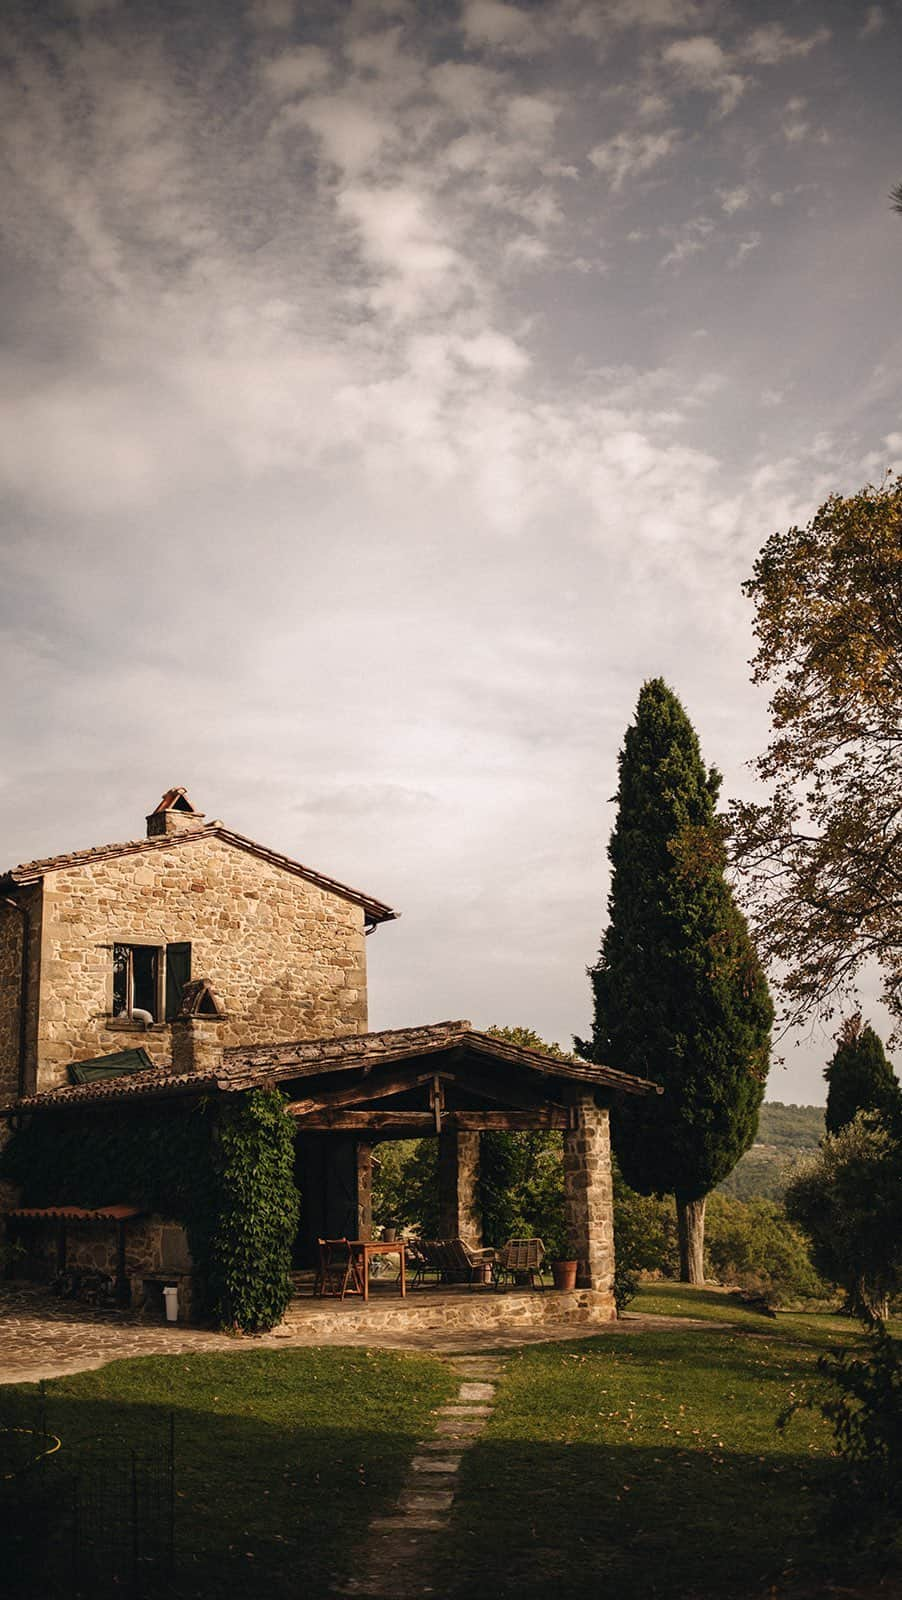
848	1200
753	1244
864	1407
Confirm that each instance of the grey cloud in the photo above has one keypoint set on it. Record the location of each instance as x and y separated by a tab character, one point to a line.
358	460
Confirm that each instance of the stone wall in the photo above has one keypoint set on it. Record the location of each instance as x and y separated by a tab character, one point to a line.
286	958
12	927
94	1247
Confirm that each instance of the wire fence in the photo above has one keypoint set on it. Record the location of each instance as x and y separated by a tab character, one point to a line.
93	1518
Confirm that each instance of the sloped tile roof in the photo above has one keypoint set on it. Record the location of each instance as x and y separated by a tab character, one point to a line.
116	1213
245	1067
32	871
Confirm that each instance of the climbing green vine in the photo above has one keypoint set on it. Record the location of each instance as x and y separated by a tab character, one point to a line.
223	1167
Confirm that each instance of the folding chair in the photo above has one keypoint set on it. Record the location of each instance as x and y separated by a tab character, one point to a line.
337	1272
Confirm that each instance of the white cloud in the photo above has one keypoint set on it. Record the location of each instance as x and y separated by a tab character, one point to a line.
505	27
689	239
703	65
469	90
630	155
745	248
402	235
531	118
271	13
296	71
733	200
770	44
796	125
874	20
352	134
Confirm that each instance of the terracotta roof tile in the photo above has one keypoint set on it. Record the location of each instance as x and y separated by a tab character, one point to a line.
117	1213
31	871
243	1067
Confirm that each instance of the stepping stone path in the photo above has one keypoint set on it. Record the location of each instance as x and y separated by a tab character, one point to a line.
397	1558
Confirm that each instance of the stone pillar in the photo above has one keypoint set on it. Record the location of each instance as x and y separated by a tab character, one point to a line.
196	1045
589	1193
458	1171
364	1154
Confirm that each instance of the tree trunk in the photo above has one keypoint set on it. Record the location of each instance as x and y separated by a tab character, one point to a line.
691	1231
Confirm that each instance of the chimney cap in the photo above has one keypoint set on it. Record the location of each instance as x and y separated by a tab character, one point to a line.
174	814
175	800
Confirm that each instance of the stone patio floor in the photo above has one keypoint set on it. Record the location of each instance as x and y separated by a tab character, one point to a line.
42	1336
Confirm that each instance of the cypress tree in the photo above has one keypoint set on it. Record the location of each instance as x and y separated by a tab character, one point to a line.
679	992
859	1074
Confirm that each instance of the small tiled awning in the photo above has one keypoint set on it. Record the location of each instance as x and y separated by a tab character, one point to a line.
120	1213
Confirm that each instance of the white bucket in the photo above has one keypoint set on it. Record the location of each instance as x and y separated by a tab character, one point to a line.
171	1297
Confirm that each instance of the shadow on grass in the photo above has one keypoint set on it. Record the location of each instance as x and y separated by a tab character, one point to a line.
539	1520
281	1459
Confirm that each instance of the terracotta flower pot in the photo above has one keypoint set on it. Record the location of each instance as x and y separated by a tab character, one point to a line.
564	1274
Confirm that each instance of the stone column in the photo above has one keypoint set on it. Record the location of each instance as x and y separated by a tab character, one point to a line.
364	1189
589	1193
458	1170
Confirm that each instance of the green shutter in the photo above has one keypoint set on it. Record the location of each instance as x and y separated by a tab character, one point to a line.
178	973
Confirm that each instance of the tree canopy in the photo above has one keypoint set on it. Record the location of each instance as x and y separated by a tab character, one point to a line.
821	860
859	1075
679	993
848	1200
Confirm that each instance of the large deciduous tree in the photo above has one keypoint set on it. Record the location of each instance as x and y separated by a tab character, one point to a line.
822	859
859	1075
680	996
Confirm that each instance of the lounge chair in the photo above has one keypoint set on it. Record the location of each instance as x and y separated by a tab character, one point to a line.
466	1263
521	1261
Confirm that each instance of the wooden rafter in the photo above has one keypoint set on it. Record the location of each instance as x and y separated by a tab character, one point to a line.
359	1092
436	1119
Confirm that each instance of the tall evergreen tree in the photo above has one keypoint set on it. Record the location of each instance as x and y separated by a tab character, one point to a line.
679	992
859	1074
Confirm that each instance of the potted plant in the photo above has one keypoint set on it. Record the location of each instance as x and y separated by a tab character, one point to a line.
563	1266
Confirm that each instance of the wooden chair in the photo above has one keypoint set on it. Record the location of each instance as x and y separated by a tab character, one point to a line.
337	1272
521	1259
465	1263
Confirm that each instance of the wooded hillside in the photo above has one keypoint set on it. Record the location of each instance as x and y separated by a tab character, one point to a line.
785	1133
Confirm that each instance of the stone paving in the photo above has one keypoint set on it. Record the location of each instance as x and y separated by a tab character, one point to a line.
42	1336
398	1559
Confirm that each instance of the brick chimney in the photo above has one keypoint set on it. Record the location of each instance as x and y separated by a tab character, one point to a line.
174	814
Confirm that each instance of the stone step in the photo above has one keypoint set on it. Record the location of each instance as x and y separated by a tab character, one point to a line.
444	1445
423	1500
412	1523
449	1462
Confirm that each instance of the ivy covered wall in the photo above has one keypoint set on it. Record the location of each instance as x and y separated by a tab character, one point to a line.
223	1167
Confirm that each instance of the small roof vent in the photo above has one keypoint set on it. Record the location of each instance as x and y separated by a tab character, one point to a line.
174	814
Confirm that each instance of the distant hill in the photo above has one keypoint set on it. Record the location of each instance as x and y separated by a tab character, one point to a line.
785	1134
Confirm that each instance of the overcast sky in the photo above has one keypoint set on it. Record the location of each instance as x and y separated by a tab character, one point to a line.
387	391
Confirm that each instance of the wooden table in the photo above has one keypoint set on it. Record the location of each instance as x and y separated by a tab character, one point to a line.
364	1248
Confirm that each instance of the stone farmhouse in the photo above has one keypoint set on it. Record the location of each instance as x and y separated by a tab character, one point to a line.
194	963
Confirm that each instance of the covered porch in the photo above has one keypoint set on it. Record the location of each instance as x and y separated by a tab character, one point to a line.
453	1083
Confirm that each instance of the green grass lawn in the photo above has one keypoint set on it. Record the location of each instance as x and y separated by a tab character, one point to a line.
644	1463
282	1456
648	1464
